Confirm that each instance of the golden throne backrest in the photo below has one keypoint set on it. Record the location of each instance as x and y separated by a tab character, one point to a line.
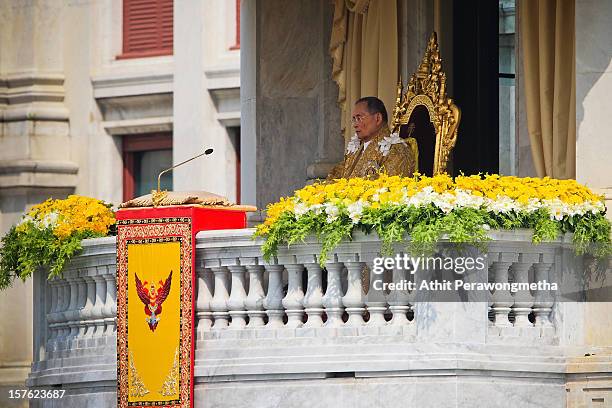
426	95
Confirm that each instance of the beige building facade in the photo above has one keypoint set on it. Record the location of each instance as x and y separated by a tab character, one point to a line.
71	101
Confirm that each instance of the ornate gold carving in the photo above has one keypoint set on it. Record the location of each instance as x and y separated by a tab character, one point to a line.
137	387
171	384
158	196
427	87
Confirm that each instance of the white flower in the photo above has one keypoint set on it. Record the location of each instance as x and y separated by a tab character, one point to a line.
25	219
355	210
466	199
316	208
353	145
532	205
384	146
50	220
376	195
445	202
426	196
502	204
300	209
332	212
557	208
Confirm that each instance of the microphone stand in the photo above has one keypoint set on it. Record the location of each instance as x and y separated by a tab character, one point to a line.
158	195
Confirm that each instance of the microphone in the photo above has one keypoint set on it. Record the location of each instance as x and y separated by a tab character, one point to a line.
206	152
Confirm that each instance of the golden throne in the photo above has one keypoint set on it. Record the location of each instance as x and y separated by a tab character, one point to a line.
425	116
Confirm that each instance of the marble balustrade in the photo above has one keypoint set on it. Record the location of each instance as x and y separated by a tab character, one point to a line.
242	291
237	289
292	318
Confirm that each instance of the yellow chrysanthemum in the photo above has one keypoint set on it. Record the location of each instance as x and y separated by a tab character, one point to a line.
73	214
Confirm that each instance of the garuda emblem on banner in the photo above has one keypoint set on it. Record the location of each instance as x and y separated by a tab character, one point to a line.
153	298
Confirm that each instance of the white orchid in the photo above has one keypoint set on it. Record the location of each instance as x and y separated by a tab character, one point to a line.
384	146
353	145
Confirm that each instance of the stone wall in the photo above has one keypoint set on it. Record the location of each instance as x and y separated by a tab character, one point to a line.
291	122
593	104
593	149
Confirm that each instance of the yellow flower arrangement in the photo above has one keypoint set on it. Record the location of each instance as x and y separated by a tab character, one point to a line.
549	206
75	214
50	233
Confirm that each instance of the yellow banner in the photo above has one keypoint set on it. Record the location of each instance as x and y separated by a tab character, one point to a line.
153	318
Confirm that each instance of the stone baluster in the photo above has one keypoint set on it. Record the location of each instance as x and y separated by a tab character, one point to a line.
542	305
353	300
376	299
63	303
523	300
110	304
273	301
292	302
399	298
219	301
501	300
97	313
255	299
412	295
52	316
313	299
205	295
332	300
72	313
63	299
86	327
237	297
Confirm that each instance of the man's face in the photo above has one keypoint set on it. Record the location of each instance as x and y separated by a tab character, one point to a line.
366	124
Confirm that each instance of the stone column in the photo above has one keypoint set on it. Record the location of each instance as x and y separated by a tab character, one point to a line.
248	100
593	86
593	141
35	139
196	126
290	119
35	145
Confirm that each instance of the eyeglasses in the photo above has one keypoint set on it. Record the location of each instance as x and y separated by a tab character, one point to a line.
358	118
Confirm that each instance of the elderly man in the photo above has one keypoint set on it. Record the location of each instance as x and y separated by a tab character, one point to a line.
372	149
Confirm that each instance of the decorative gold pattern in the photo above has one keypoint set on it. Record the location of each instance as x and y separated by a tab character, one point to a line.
427	87
171	384
398	162
158	196
155	230
137	387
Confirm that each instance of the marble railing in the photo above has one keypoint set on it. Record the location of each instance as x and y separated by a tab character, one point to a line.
292	319
238	289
